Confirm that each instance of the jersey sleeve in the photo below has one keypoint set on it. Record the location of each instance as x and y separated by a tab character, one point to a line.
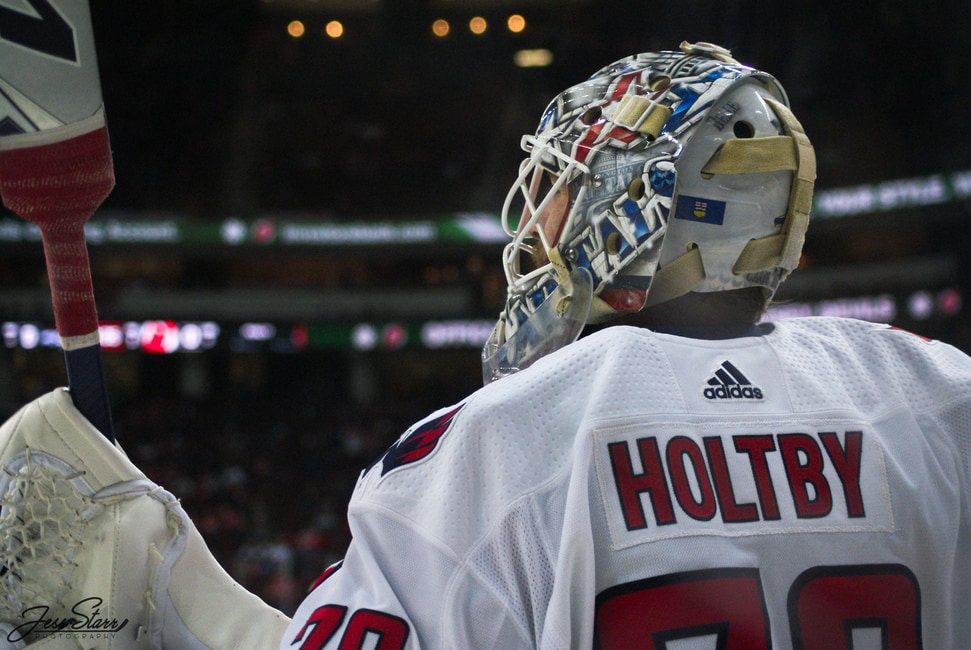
466	532
403	584
351	602
395	591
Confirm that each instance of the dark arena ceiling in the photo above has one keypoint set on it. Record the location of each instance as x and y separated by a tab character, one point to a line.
215	108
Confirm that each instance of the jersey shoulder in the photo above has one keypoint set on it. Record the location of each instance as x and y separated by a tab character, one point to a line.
892	364
456	471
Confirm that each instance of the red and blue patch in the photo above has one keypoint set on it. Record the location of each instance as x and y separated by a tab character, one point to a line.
328	572
419	443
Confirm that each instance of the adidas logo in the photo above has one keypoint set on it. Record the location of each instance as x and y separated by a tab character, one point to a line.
728	382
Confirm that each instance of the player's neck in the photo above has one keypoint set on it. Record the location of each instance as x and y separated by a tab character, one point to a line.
721	315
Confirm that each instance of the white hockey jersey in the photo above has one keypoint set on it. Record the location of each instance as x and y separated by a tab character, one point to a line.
807	488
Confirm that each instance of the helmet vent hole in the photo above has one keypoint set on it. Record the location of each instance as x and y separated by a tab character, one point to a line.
743	129
659	82
591	115
635	189
612	245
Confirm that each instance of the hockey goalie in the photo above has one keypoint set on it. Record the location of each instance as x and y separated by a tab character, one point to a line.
649	464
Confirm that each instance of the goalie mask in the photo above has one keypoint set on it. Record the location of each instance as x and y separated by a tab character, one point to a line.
663	173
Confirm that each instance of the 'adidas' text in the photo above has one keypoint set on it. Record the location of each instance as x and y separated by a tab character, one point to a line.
733	392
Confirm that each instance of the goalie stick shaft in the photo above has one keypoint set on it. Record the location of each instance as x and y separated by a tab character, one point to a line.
56	169
58	184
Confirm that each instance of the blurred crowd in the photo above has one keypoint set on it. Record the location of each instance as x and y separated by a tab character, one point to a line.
265	478
263	451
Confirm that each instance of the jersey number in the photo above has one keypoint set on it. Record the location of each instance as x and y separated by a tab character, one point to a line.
389	632
829	608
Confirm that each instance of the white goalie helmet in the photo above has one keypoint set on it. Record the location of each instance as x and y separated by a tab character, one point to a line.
663	173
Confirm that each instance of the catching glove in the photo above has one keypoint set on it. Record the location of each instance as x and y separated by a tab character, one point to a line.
95	555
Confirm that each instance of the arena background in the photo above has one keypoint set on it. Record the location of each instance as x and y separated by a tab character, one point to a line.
300	255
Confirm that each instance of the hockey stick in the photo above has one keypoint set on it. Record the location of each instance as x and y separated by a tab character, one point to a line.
56	169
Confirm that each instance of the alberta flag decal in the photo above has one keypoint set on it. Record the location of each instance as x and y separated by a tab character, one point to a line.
693	208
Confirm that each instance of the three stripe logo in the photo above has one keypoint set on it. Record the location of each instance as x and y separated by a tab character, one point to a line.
729	383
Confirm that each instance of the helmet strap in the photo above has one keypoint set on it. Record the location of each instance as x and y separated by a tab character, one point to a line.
677	277
791	152
784	248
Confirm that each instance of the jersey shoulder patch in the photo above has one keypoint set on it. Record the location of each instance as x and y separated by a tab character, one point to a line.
418	443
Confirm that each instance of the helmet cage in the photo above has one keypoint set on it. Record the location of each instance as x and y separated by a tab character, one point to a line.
615	144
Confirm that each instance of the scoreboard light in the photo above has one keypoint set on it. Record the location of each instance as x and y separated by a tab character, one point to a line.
191	337
159	337
254	337
10	333
456	334
394	336
257	331
920	305
923	305
112	335
882	308
364	336
28	336
949	302
154	337
168	337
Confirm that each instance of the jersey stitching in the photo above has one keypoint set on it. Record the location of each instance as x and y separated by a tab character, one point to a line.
489	534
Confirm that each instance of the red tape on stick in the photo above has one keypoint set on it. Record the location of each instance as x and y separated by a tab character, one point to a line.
58	182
